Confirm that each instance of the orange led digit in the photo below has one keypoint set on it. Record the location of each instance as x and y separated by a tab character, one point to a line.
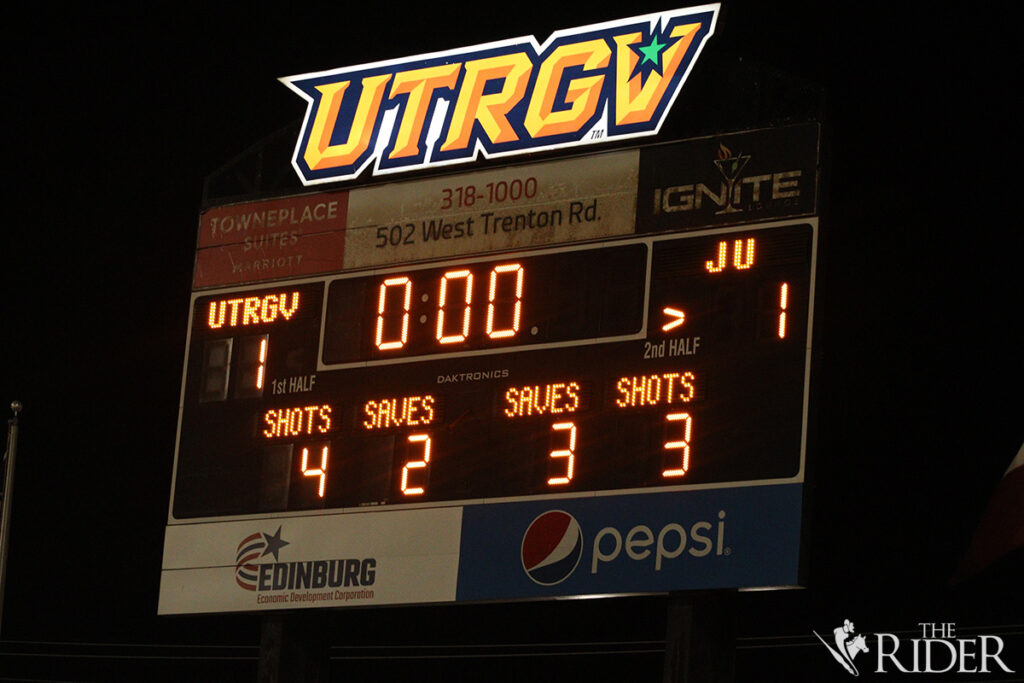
251	366
381	307
569	453
261	368
442	299
783	304
492	295
682	444
320	472
416	465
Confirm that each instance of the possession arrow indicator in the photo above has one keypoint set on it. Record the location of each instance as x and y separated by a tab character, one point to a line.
676	318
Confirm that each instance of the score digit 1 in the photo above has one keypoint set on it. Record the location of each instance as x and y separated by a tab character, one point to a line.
783	305
252	366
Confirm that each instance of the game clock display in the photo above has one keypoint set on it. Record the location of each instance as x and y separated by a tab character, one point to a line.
644	363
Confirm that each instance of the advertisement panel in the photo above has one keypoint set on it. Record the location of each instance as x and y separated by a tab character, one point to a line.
273	239
728	179
697	540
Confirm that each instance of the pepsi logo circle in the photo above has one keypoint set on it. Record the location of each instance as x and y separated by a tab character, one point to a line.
552	546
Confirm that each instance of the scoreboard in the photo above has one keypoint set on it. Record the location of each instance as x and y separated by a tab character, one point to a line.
617	365
544	409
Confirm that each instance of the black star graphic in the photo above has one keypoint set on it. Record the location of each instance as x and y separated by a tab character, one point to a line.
274	543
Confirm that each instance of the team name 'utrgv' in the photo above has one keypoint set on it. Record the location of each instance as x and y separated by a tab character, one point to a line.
584	85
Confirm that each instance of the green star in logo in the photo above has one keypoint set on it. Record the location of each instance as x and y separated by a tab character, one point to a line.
651	55
652	52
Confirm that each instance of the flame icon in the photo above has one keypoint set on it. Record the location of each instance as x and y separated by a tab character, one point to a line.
730	166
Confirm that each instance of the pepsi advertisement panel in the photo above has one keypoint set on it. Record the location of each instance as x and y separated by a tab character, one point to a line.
632	544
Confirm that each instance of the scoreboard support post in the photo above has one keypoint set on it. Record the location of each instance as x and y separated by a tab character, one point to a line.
7	491
293	649
700	638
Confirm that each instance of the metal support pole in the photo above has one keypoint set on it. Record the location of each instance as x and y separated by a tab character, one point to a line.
8	490
293	649
700	639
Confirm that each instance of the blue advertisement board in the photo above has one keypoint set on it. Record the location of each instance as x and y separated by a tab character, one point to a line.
653	542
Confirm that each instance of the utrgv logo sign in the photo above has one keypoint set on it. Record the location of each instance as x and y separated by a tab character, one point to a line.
614	80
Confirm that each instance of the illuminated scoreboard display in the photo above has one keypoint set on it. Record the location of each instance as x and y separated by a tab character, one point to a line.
616	411
618	365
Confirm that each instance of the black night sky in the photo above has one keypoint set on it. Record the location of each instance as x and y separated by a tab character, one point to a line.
114	119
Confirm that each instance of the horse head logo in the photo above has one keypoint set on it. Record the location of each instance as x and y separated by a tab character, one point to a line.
847	646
